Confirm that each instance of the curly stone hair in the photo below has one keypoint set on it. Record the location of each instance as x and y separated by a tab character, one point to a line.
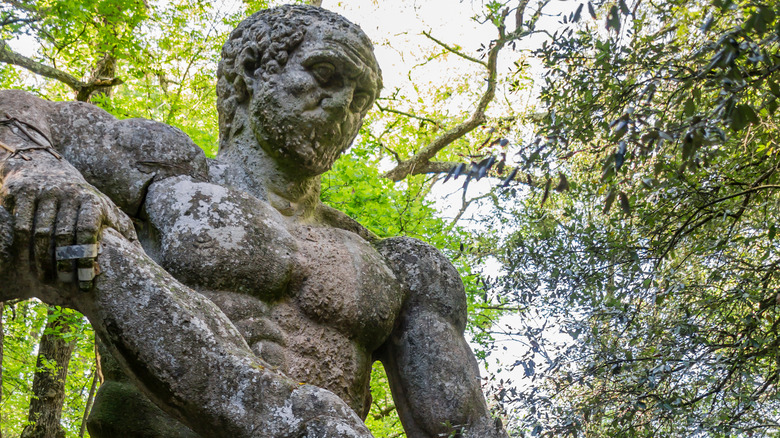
260	46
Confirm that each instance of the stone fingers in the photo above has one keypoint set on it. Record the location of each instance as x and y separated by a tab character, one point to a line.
90	219
24	216
119	221
64	236
42	237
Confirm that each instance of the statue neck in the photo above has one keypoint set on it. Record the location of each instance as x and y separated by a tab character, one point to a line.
248	167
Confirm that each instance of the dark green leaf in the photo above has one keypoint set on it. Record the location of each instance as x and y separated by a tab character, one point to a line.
608	201
708	22
613	19
459	170
621	127
449	174
578	13
620	155
624	7
624	204
773	87
742	116
511	177
563	184
689	108
546	191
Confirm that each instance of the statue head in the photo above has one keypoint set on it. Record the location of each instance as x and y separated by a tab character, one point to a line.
301	79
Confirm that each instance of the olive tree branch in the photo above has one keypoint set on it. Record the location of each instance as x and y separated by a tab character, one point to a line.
83	89
422	158
402	113
465	204
682	230
439	167
454	50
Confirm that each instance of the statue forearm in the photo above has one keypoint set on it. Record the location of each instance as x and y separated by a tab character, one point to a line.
432	371
183	351
436	383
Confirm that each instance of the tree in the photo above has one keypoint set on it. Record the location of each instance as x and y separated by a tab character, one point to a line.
55	350
659	262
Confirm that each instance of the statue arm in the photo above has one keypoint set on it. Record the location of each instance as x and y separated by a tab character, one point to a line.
433	374
188	357
78	171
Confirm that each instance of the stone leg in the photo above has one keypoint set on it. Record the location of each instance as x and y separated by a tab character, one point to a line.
121	409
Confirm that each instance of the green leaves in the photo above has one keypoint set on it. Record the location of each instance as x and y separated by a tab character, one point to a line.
23	324
613	19
668	115
742	116
761	20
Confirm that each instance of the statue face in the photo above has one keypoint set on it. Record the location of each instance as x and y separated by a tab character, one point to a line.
306	115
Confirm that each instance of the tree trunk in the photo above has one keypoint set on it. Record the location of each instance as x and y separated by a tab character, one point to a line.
54	355
88	407
105	69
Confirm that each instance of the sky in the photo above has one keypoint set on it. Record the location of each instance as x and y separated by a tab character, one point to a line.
396	30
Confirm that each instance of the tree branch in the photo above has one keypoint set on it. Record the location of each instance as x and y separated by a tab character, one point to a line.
678	234
411	116
12	20
444	167
455	51
464	206
421	159
83	89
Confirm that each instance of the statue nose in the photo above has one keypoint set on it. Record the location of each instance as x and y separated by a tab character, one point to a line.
339	101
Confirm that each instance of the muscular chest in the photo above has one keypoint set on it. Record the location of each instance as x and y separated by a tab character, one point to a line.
210	237
217	239
341	281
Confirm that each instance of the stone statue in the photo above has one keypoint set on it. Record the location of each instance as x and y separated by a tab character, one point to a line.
226	292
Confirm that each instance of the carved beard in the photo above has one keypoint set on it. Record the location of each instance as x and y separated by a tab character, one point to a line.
296	135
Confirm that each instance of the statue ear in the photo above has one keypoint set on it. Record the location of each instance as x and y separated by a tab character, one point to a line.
242	90
245	80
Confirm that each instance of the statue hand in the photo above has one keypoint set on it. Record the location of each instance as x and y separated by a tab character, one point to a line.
57	219
326	415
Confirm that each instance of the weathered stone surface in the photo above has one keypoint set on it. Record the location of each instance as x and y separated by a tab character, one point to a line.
6	240
234	301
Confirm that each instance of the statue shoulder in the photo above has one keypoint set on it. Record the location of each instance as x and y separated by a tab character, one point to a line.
430	279
93	140
149	146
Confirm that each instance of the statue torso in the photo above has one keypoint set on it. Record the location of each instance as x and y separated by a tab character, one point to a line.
312	300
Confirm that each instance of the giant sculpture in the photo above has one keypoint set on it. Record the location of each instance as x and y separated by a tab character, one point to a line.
226	292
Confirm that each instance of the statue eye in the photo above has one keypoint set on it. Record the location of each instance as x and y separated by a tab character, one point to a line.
360	102
323	71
